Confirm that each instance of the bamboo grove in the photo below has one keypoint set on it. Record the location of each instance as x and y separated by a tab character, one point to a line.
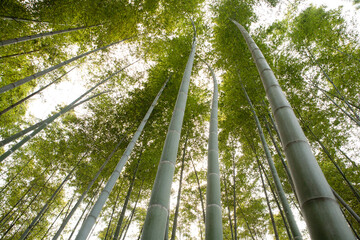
194	121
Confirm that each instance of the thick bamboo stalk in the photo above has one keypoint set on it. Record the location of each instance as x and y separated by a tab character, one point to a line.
320	209
95	211
158	210
40	35
213	223
284	202
43	72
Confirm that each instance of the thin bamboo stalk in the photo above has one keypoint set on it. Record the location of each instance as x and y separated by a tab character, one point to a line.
95	211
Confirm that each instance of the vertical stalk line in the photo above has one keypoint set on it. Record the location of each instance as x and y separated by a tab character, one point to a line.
34	93
158	210
122	214
40	35
228	207
320	209
17	174
50	69
246	222
199	188
95	211
56	218
24	195
351	226
173	233
46	121
279	154
112	212
86	208
134	209
284	202
40	214
213	223
24	210
325	150
313	59
234	198
346	206
51	119
267	199
91	183
277	203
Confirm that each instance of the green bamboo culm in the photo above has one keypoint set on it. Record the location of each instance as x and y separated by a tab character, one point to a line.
95	211
52	68
52	118
158	210
40	35
213	218
284	202
318	204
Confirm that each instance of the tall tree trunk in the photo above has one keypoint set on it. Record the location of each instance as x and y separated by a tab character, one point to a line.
43	72
279	153
34	93
213	223
173	233
35	183
40	35
351	226
288	212
95	211
122	214
158	210
51	119
228	207
321	211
